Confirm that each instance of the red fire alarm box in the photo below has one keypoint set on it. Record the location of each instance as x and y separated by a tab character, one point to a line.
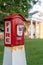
14	30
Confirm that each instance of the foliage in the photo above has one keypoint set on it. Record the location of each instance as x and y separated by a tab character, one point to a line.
15	6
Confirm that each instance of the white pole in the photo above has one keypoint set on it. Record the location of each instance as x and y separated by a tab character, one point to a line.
14	55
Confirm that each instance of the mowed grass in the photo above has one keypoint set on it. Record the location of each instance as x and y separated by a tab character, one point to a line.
34	51
1	51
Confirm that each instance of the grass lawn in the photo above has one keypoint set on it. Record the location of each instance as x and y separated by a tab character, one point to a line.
1	51
34	51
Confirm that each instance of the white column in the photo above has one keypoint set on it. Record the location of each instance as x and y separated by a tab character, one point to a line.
36	30
31	28
40	31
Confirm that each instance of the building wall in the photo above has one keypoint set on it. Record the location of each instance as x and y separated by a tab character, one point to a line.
27	23
37	29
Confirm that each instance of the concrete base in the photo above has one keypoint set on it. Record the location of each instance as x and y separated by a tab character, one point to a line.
14	56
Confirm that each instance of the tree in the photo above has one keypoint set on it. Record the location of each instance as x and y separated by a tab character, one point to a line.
16	6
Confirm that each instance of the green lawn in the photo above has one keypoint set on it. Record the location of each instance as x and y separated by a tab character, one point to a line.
1	51
34	51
